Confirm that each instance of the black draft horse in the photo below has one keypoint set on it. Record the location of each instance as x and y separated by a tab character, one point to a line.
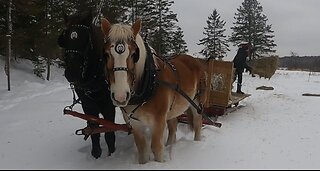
82	41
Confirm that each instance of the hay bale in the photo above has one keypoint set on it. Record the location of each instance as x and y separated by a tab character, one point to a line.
264	67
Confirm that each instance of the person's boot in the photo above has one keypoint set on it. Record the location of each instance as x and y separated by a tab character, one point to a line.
239	89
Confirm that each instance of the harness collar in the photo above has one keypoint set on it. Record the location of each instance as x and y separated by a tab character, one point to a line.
147	83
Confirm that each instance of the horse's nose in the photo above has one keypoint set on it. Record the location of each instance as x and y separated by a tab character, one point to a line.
120	98
128	96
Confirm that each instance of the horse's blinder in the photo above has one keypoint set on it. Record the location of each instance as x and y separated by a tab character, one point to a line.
136	54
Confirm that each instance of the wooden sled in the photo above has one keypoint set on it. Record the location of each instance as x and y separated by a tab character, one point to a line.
221	99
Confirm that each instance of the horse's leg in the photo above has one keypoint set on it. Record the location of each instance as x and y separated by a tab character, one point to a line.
201	100
95	141
141	144
108	113
197	125
157	144
95	138
172	127
110	136
90	107
195	121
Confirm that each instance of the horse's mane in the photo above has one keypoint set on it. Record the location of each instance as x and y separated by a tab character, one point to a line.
124	32
97	39
143	54
120	32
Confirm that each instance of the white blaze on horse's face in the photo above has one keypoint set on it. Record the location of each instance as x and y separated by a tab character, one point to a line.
120	89
120	47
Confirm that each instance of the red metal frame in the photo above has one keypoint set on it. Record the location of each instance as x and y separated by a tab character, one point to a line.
107	126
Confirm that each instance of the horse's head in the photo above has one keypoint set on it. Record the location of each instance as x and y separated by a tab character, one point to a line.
122	46
76	40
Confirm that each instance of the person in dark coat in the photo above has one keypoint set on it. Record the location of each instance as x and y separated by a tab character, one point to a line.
240	63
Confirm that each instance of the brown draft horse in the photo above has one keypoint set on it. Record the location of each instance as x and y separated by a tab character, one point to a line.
148	88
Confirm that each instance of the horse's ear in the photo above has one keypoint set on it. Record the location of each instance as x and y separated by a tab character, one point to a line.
88	17
65	17
136	27
105	26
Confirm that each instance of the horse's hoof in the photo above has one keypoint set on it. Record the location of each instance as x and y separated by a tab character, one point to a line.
143	161
159	158
112	150
96	152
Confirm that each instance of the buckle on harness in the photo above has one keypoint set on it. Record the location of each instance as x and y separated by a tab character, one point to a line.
87	131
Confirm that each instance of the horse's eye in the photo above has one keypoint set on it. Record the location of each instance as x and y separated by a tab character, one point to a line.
135	57
106	55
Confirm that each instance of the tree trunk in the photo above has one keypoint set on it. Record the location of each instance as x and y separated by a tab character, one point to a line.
7	67
48	67
47	18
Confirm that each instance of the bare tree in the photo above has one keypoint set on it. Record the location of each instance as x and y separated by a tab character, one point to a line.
7	66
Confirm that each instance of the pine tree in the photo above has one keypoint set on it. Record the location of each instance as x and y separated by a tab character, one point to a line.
178	43
24	28
3	26
251	26
215	42
116	10
164	28
146	11
74	6
50	28
39	66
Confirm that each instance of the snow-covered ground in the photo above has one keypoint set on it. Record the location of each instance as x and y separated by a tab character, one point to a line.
276	129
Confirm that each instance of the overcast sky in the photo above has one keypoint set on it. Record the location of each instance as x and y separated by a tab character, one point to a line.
296	23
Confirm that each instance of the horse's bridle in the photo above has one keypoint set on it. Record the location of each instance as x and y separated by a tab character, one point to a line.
82	52
74	35
126	69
